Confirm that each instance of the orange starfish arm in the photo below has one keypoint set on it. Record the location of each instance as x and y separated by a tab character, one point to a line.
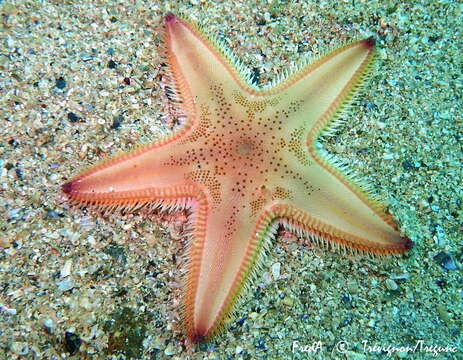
245	161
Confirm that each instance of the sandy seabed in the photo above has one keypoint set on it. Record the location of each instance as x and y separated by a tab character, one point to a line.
80	81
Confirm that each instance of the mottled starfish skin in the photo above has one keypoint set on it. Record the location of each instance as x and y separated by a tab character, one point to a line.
244	162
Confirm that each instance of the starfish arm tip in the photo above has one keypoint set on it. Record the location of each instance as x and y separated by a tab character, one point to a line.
169	17
408	244
198	338
370	42
68	187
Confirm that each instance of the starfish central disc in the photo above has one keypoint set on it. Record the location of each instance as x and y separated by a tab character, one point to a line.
245	147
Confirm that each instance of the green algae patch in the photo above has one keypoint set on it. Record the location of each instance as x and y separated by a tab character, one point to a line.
126	331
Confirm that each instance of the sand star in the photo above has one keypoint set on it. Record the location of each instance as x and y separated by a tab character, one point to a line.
246	161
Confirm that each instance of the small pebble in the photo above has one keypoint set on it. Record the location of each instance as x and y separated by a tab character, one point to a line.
19	174
86	57
9	311
19	348
288	301
445	260
13	142
72	117
117	121
276	270
60	83
370	106
65	285
10	42
388	156
391	285
439	237
346	299
170	350
253	315
49	325
71	342
52	214
267	278
66	270
407	165
443	314
91	241
112	64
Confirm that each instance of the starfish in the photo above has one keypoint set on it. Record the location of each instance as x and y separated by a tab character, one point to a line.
246	160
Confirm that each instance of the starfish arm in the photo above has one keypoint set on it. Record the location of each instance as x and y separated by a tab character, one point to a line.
320	90
334	208
347	233
198	63
222	261
157	172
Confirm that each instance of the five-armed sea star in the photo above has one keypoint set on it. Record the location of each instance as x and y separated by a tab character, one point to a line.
246	161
